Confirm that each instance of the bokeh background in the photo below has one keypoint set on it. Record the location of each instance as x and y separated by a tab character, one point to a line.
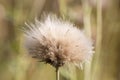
100	20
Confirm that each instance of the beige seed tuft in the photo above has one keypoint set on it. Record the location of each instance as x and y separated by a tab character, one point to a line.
57	42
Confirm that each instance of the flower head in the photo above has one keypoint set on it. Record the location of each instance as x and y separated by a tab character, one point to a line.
57	42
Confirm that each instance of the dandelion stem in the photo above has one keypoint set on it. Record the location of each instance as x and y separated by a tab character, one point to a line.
57	73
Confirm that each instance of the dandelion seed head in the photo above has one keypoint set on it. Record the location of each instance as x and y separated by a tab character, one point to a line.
57	42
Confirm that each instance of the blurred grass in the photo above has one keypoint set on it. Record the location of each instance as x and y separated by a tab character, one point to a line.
101	23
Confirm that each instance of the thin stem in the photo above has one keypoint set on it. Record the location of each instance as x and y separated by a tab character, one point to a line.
57	73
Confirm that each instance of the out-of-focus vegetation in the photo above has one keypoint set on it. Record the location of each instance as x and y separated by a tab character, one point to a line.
99	18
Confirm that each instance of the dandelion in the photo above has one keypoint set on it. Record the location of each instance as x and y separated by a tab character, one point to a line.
57	42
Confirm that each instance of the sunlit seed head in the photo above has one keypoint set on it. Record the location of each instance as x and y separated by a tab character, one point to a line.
57	42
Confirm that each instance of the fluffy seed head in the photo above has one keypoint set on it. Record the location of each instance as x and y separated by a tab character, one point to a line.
57	42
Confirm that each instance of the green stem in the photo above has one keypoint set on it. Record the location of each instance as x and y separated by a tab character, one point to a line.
57	73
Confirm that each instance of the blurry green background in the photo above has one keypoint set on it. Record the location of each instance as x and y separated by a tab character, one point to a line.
99	18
